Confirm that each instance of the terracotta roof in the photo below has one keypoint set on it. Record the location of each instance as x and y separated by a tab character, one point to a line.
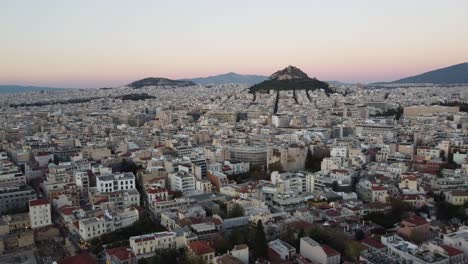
378	188
83	258
416	220
370	241
156	190
459	193
38	202
200	247
329	251
66	210
122	253
451	251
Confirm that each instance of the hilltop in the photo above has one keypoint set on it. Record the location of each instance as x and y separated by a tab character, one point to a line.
26	89
290	78
230	77
152	81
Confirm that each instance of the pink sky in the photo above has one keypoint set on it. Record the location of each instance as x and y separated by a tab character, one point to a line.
108	43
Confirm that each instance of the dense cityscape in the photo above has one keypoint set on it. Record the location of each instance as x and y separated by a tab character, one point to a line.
188	173
234	132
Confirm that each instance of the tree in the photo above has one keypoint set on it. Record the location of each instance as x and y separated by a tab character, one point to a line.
298	240
442	154
143	261
309	163
237	236
260	244
258	172
276	166
353	250
446	211
236	211
335	186
400	207
177	194
418	236
313	161
359	235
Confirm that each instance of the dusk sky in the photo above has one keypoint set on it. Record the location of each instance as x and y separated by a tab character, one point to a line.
96	43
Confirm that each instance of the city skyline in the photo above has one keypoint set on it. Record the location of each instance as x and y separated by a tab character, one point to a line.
83	45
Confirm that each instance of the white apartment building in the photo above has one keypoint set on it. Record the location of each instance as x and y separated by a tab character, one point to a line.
408	252
332	163
339	151
115	182
286	182
317	253
310	182
238	167
458	239
281	120
182	181
39	213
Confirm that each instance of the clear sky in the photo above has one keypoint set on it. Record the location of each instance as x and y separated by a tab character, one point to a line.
96	43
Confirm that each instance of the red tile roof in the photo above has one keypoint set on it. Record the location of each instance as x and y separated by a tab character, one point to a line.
38	202
416	220
83	258
370	241
329	251
200	247
378	188
122	253
451	251
156	190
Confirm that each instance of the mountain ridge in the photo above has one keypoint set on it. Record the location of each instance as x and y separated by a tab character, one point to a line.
226	78
159	81
455	74
10	88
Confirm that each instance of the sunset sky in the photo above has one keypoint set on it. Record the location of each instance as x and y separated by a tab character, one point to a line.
96	43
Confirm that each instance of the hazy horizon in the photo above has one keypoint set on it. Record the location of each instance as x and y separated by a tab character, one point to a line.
111	43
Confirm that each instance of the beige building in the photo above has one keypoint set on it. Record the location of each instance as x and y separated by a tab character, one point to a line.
91	228
422	110
456	197
408	181
149	243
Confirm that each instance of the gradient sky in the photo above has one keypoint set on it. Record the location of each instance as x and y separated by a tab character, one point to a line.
96	43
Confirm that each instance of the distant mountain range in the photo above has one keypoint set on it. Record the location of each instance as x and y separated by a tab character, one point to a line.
456	74
25	89
230	77
152	81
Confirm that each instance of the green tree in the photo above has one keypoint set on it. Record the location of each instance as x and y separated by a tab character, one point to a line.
298	239
446	211
237	236
236	211
276	166
313	160
359	235
418	236
258	173
335	186
309	162
260	244
352	250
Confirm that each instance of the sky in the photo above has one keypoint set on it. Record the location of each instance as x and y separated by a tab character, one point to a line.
104	43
